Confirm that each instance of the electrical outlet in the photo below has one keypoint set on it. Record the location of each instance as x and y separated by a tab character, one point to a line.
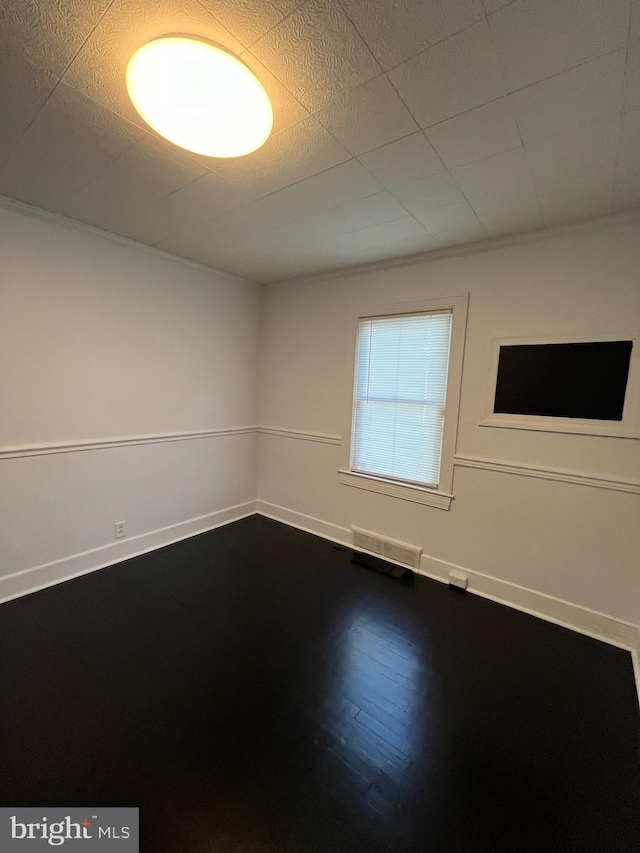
120	529
458	581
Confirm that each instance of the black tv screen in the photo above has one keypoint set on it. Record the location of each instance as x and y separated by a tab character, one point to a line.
579	380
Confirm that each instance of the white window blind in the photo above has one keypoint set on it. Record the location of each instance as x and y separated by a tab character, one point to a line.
400	392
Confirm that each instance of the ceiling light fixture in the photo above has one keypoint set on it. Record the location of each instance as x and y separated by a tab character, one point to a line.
199	96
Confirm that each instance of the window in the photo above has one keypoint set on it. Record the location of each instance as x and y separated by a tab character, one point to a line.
400	393
401	402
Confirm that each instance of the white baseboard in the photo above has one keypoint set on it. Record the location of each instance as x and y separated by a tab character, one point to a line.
308	523
556	610
48	574
625	635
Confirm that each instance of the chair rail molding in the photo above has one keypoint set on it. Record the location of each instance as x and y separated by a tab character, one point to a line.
21	450
521	469
320	437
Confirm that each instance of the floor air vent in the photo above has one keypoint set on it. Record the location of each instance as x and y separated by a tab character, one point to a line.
390	549
383	567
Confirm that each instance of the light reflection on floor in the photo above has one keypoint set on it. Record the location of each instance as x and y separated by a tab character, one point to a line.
375	707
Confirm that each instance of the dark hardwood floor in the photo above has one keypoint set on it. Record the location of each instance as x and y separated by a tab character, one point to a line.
252	690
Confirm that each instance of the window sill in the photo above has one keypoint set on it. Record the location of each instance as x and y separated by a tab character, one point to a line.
395	489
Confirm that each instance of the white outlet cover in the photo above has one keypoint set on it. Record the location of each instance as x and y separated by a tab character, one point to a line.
458	579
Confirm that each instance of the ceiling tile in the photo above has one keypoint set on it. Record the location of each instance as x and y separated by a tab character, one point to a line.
291	237
513	212
634	28
200	201
406	234
252	230
311	260
368	116
24	90
250	19
304	234
362	213
397	31
400	238
632	73
338	252
285	218
69	143
429	193
49	34
231	254
501	191
143	175
494	5
575	198
99	68
627	181
341	184
495	175
245	230
590	93
453	225
538	38
574	172
288	207
316	53
286	109
451	77
345	255
266	270
278	269
193	244
297	152
555	156
476	134
410	246
403	161
287	266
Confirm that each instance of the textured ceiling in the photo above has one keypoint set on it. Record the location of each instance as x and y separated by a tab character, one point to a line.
401	126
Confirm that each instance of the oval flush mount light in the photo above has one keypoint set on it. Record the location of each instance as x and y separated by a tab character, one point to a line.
199	96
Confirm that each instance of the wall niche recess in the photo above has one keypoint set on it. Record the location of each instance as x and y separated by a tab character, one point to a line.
581	386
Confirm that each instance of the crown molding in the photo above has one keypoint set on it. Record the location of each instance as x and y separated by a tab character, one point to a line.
39	213
490	245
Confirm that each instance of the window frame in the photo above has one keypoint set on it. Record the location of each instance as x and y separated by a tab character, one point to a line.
441	495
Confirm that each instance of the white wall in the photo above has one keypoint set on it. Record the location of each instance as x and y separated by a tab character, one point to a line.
101	340
558	539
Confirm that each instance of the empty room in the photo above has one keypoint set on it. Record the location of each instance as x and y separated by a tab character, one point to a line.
320	426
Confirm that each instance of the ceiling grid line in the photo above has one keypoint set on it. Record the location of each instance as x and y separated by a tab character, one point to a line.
58	81
517	122
616	171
